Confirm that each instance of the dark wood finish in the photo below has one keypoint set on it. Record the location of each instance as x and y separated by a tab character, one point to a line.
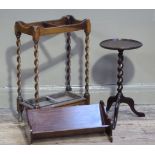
67	121
68	62
87	95
120	45
66	24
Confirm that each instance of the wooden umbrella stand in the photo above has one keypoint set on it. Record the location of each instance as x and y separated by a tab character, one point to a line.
41	118
67	25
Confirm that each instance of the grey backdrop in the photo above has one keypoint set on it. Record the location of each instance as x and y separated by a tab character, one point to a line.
131	24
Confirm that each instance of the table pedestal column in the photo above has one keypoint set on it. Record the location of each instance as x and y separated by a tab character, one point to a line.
119	98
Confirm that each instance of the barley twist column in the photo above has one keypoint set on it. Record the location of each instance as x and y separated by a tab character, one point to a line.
120	73
68	62
87	65
19	96
18	65
36	74
119	86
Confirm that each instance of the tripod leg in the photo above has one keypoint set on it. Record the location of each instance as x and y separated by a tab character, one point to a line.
110	101
131	104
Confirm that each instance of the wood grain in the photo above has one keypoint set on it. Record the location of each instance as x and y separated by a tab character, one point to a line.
130	130
67	121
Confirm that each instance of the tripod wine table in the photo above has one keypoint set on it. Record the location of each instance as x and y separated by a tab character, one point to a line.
120	45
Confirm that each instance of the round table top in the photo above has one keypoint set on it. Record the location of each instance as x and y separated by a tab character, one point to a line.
120	44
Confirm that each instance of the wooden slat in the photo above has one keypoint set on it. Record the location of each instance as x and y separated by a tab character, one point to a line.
63	29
